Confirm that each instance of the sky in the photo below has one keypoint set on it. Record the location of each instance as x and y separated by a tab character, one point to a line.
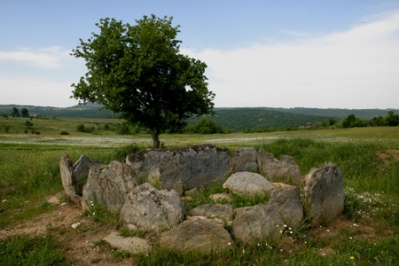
259	53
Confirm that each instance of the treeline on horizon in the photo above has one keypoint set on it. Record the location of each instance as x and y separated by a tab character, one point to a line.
247	120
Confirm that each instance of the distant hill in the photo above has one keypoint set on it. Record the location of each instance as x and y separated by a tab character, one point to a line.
338	113
236	119
239	119
86	111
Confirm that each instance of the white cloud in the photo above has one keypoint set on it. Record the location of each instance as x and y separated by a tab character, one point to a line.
30	91
49	58
357	68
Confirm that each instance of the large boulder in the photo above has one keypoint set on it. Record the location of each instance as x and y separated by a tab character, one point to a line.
202	236
151	209
247	184
244	160
108	185
287	202
258	222
191	167
324	188
223	211
74	176
284	170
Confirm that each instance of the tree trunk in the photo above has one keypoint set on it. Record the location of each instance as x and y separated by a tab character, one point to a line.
155	138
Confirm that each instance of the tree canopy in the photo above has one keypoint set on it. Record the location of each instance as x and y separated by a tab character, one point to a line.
15	112
25	112
139	72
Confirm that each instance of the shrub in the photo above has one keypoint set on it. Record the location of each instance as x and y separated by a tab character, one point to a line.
28	123
121	153
84	129
204	126
123	129
64	132
80	128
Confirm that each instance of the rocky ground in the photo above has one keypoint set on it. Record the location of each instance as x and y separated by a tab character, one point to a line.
77	233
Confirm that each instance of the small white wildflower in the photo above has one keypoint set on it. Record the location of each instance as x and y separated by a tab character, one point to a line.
75	225
350	238
285	226
328	230
229	244
243	251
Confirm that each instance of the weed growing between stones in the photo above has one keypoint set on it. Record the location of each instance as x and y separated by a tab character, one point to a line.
100	214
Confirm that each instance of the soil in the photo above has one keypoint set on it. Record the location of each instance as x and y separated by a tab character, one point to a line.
388	155
79	243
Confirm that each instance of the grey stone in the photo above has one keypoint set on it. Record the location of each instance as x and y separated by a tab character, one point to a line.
324	188
197	235
287	202
284	170
74	176
181	168
221	197
192	192
247	184
108	185
152	209
66	175
257	223
80	172
223	211
133	245
244	160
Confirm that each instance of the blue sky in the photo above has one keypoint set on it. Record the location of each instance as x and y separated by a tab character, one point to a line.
326	54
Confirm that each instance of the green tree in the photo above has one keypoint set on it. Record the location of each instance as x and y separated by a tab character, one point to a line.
24	112
352	121
205	126
392	119
138	71
15	112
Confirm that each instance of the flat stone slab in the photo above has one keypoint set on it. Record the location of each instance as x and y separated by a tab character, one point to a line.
133	245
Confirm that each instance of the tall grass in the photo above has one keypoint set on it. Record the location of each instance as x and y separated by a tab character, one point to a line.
22	250
29	174
359	161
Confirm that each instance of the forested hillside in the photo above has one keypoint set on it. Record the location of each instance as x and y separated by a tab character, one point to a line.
235	119
84	111
239	119
338	113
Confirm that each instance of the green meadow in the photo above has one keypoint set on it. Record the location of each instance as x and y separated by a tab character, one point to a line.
366	234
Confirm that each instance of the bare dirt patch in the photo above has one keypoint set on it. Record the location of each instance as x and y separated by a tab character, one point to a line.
389	155
76	233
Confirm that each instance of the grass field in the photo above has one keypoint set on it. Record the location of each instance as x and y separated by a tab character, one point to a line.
367	234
